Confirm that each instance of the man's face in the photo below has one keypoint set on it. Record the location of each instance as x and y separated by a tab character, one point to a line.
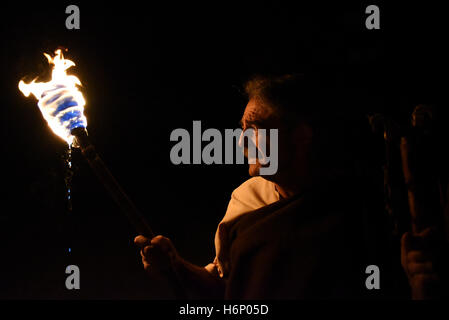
293	144
257	116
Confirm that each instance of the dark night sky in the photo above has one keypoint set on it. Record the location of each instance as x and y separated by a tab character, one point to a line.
147	70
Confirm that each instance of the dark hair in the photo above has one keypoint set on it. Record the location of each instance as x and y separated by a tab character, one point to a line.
295	97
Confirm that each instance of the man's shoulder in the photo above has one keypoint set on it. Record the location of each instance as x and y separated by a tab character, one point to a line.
256	189
253	185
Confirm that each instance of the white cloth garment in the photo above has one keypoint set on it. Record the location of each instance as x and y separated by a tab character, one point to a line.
253	194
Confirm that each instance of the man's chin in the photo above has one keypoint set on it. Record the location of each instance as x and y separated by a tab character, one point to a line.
254	170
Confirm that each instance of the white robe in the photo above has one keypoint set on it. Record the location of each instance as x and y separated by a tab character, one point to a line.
253	194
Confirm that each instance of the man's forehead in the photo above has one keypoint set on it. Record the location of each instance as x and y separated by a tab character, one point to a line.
256	111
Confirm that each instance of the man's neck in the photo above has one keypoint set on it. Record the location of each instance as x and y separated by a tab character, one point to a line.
286	192
296	184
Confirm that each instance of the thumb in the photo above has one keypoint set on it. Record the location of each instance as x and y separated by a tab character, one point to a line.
142	241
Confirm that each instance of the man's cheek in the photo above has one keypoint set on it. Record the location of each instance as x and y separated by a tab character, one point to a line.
270	162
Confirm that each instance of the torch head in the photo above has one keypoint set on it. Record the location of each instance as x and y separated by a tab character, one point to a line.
60	100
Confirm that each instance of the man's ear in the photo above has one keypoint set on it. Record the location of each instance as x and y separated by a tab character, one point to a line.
303	134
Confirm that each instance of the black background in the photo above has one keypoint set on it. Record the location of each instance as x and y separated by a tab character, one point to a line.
146	70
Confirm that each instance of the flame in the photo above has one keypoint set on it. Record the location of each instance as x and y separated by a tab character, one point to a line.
59	100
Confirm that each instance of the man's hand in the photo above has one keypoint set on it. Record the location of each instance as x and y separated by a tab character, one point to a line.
158	254
188	280
418	261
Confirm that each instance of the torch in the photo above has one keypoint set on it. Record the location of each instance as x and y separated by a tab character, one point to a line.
62	106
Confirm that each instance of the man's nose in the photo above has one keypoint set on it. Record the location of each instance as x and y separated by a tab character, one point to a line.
244	143
241	140
249	145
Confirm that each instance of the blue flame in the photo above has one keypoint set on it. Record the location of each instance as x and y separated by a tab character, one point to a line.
67	103
60	103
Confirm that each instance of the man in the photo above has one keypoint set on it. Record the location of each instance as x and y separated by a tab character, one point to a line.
296	234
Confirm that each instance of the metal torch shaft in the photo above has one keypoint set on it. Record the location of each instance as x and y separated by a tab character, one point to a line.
110	183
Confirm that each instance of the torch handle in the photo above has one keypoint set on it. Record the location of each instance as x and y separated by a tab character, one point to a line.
111	185
409	177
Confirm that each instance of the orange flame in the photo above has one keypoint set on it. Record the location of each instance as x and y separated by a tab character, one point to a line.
65	86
